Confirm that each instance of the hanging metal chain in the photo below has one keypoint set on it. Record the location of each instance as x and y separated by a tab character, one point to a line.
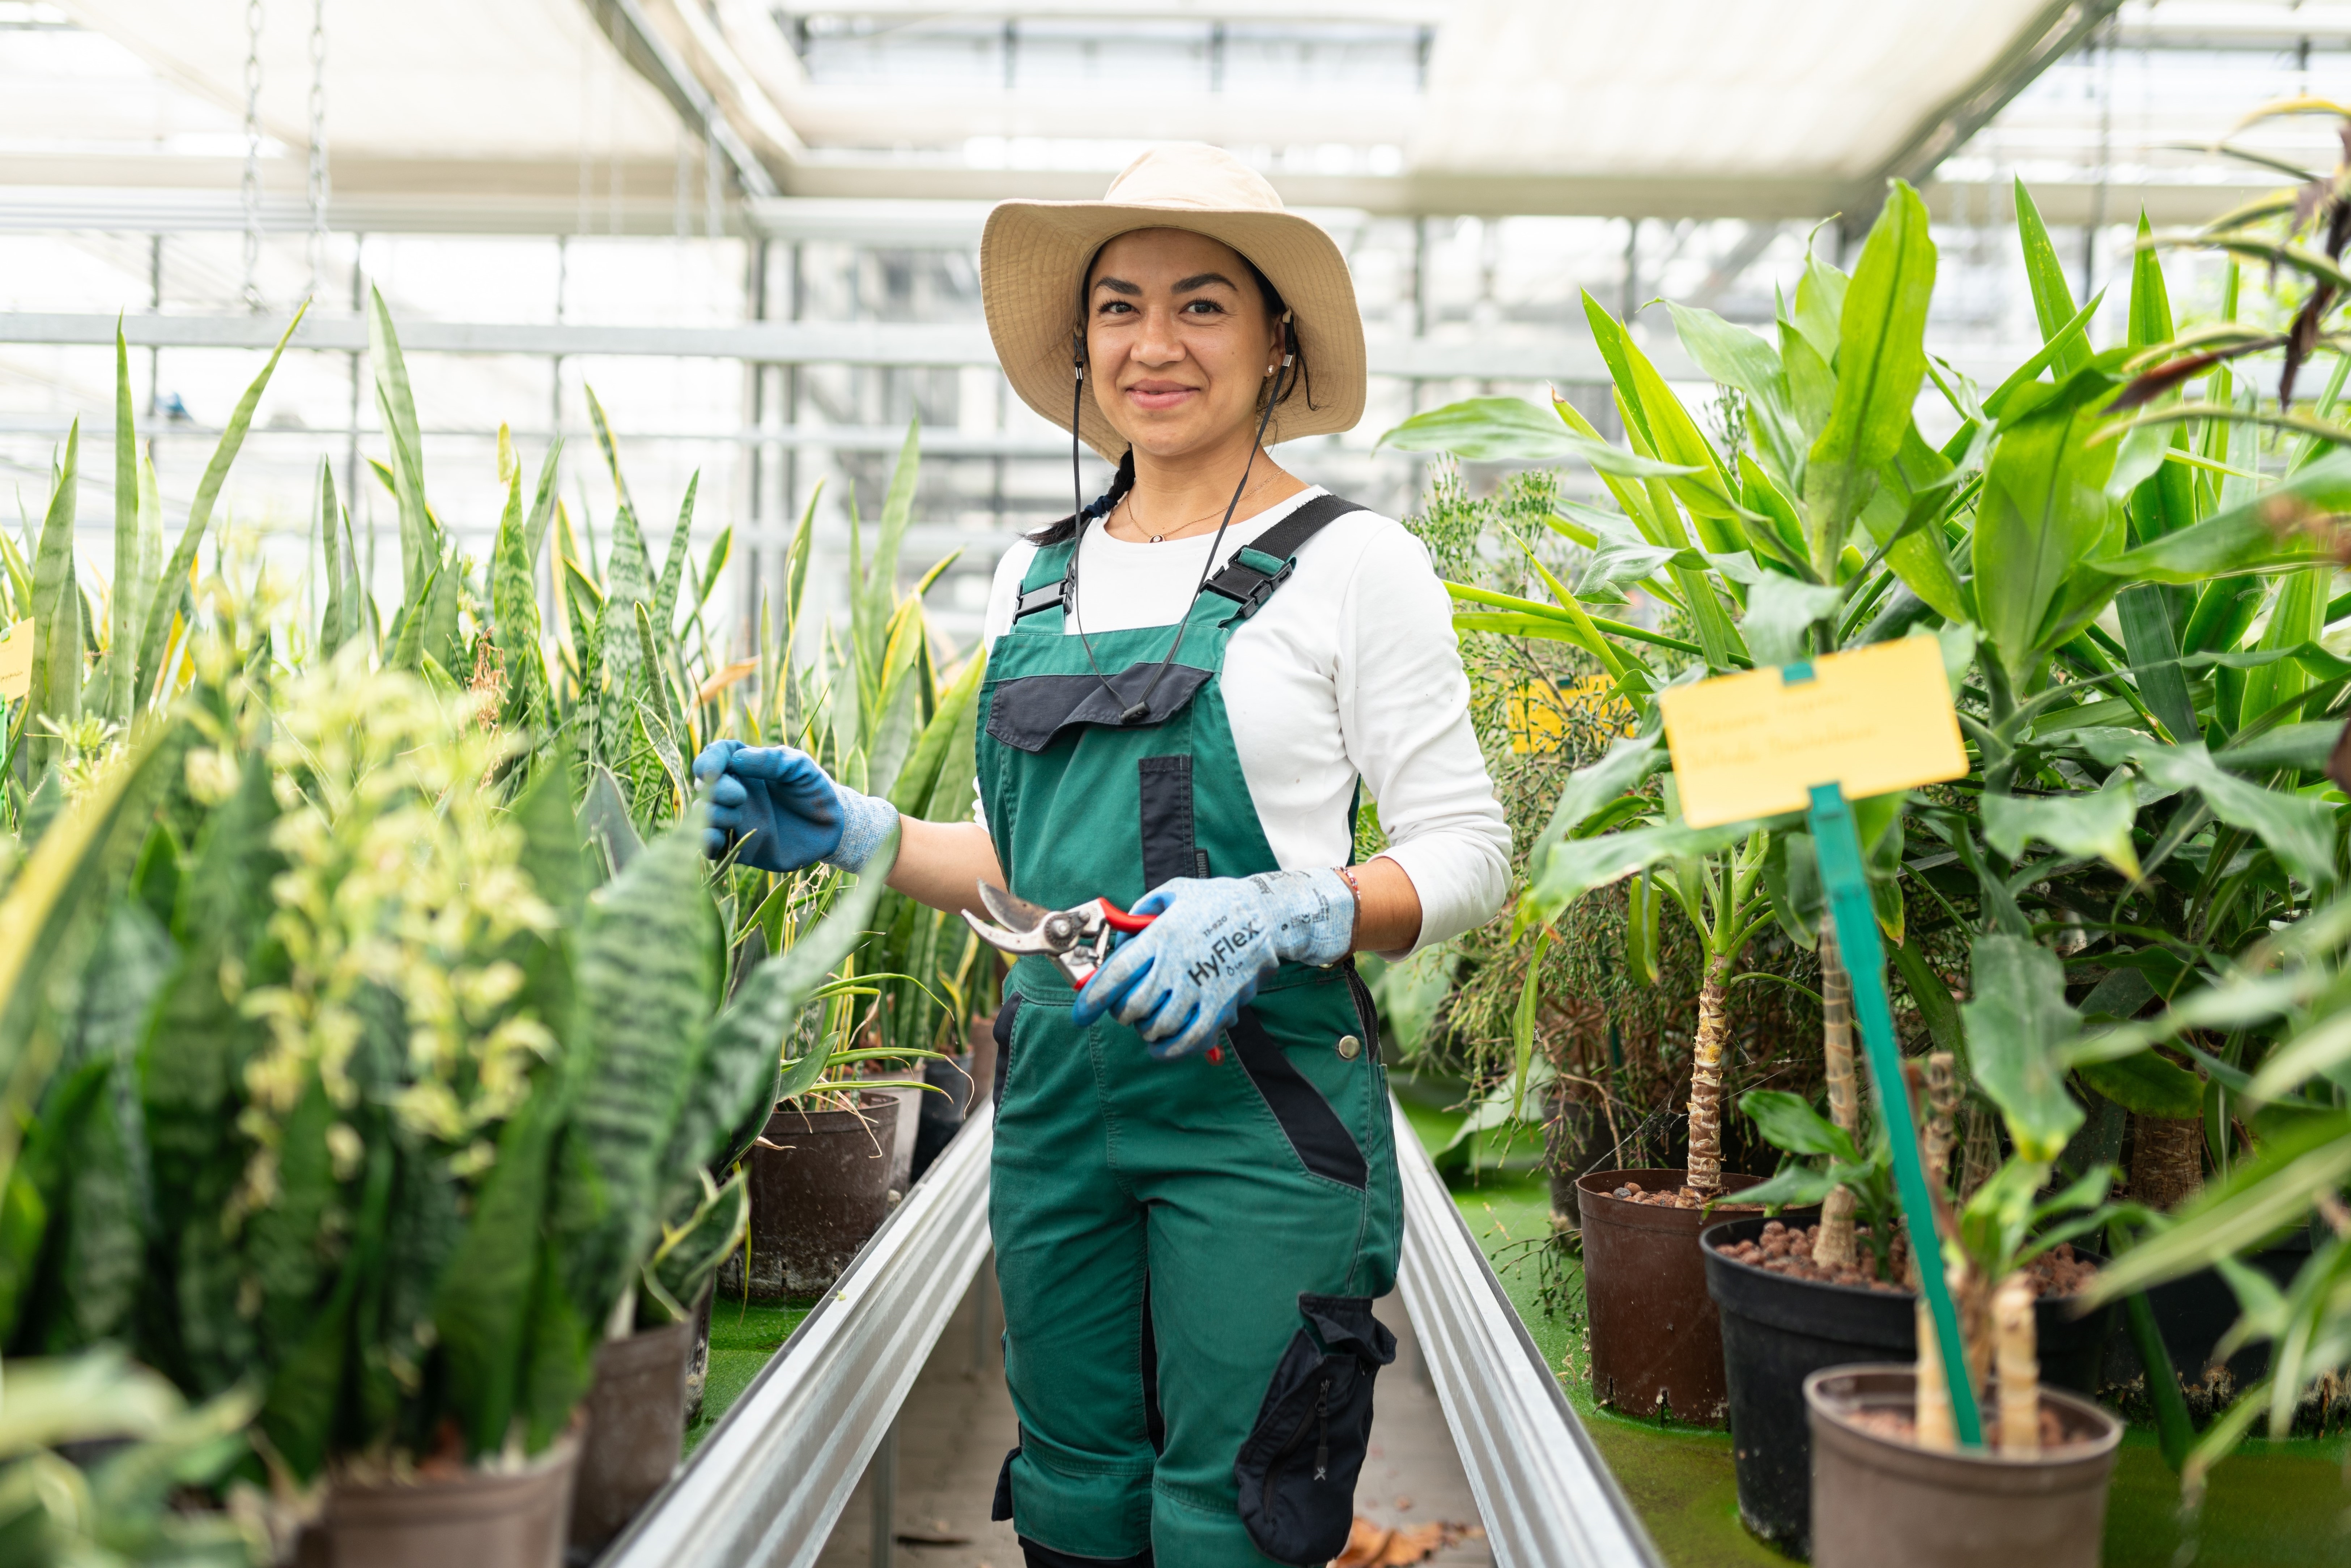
253	155
318	189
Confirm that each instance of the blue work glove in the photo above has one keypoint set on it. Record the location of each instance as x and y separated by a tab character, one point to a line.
782	811
1185	978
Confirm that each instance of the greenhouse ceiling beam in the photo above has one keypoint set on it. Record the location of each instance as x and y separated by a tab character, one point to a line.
650	54
1547	1498
906	343
766	1487
2054	33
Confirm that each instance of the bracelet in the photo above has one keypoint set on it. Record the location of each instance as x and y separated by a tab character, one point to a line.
1347	874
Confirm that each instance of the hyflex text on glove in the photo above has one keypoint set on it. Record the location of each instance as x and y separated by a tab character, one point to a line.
1215	940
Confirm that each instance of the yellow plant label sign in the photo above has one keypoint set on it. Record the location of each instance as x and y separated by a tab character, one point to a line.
1874	720
17	660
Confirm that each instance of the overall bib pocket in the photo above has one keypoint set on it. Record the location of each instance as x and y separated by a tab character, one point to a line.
1297	1471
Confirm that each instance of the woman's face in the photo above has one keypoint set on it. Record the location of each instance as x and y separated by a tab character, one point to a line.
1178	340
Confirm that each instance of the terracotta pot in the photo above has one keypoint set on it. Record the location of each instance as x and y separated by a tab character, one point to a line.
514	1521
1778	1330
1655	1337
1881	1503
636	1429
819	1189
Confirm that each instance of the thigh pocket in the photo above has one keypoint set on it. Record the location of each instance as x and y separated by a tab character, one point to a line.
1322	1143
1298	1467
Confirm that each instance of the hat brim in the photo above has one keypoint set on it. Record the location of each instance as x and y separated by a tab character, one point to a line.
1031	260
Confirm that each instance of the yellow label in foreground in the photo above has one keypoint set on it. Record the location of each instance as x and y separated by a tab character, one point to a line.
1874	720
17	660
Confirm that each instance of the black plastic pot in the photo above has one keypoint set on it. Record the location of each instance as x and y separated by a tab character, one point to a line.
2193	1312
1778	1330
819	1189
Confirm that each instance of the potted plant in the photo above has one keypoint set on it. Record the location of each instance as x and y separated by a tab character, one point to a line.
1891	1483
1790	1308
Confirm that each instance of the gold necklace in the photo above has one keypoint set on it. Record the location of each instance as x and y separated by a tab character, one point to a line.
1127	501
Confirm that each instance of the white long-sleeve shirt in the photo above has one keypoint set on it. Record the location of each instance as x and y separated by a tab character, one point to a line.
1351	669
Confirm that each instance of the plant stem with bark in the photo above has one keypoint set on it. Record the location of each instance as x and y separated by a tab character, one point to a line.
1705	1174
1835	1247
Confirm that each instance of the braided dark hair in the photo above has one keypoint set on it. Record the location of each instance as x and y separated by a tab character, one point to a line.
1100	507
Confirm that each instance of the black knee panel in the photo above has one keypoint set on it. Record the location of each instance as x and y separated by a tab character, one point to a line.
1046	1557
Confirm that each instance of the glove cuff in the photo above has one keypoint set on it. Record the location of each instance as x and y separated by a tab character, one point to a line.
865	822
1317	923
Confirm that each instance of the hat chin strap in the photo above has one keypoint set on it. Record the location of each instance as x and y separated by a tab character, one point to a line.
1141	709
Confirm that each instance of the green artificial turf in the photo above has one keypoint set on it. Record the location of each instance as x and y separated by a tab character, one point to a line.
742	1341
2272	1505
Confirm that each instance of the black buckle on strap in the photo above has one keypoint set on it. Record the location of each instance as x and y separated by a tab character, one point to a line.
1052	596
1247	587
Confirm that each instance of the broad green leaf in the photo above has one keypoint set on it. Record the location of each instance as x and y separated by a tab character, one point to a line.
628	569
133	575
1579	865
1798	1186
1931	995
2014	1026
1788	1123
2151	638
2150	301
1811	386
687	1258
881	585
2083	822
2254	1202
1779	611
2053	297
2297	616
1486	429
55	694
672	575
2147	1085
1675	438
481	1314
543	503
420	535
1626	766
2043	512
799	970
1731	355
650	973
2319	1050
1903	515
2304	745
920	779
2298	829
1819	315
170	587
1881	361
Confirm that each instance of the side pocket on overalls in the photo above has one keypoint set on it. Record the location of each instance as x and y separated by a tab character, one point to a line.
1298	1467
1006	1017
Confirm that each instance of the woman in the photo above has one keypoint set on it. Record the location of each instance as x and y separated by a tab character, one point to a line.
1194	1189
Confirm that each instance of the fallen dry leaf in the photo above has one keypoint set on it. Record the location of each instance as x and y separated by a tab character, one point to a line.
1373	1545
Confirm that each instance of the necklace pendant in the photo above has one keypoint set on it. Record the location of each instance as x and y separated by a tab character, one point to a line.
1156	538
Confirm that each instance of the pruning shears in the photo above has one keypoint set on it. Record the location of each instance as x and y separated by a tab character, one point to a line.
1077	939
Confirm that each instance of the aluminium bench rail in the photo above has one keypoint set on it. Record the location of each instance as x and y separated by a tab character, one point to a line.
766	1488
1547	1500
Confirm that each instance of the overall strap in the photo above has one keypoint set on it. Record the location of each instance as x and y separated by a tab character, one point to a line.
1249	582
1051	595
1246	583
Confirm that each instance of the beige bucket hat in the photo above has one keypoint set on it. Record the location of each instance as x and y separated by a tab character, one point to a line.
1032	261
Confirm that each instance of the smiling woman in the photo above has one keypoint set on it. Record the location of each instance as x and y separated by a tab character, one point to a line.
1194	1197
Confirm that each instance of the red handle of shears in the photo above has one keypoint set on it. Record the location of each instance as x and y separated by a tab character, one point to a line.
1119	920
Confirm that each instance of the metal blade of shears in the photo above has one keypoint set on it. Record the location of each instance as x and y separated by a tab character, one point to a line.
1012	913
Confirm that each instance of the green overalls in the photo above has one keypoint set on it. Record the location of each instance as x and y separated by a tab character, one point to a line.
1187	1249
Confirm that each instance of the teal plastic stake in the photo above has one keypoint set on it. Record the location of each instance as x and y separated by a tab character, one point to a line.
1838	848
